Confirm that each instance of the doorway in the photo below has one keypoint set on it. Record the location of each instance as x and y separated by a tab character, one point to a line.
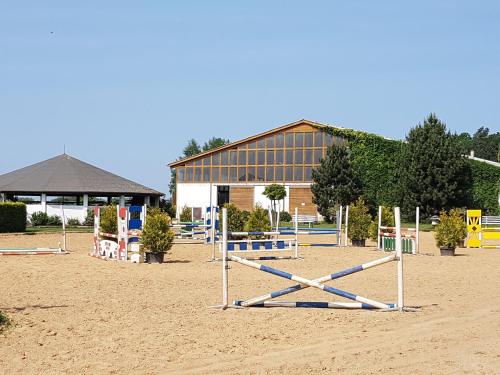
222	195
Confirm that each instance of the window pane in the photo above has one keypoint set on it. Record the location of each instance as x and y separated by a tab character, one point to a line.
206	174
261	143
233	174
289	174
318	139
27	199
308	156
261	157
328	140
252	145
289	156
242	157
233	157
279	140
289	139
270	157
224	174
279	157
216	159
270	174
278	174
206	161
179	172
298	173
251	173
215	174
261	173
308	174
308	142
197	162
318	154
251	157
197	174
299	140
298	156
270	142
242	174
224	158
189	174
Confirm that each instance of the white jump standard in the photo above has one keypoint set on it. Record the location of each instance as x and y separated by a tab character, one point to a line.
360	301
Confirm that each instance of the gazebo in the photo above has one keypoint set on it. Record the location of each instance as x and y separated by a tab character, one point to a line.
72	183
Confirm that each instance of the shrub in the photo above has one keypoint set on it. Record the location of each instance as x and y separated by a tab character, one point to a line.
285	217
73	221
186	214
359	221
4	321
89	220
109	221
235	218
245	215
258	221
387	220
157	237
54	220
451	229
39	218
12	217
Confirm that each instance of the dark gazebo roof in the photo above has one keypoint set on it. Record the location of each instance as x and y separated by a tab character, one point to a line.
64	174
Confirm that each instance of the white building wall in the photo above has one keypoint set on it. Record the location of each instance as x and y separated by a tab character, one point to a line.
260	198
70	212
194	195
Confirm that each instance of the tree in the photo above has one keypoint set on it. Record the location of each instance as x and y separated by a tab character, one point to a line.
434	174
214	142
275	193
191	149
486	145
334	182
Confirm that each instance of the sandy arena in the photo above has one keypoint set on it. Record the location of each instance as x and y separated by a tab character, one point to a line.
81	315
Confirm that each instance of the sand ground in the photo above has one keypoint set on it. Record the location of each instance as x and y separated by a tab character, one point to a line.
81	315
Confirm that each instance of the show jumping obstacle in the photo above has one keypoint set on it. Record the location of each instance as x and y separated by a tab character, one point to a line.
263	300
386	235
198	232
112	246
482	230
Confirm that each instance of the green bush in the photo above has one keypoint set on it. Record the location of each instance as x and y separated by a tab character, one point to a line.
157	237
258	221
387	221
109	220
359	221
89	220
235	218
4	321
54	220
451	229
39	218
12	217
285	217
186	214
73	221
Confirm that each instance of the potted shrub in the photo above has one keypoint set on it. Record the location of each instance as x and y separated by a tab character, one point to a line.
450	231
157	237
359	223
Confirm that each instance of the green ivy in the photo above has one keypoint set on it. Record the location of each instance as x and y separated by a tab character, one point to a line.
485	187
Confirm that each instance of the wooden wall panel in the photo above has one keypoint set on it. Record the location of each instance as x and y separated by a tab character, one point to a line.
242	197
299	196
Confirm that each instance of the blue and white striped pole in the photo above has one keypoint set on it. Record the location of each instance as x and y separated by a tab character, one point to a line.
323	279
316	305
311	283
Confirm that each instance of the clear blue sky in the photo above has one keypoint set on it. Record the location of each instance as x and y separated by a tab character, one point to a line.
125	84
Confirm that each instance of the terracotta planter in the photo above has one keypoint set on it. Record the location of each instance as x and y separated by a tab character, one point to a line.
446	251
358	243
155	257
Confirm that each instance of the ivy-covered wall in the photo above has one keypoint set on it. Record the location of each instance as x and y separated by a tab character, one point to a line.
376	161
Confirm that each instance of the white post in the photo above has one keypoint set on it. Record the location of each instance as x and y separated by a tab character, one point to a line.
399	255
224	260
192	215
122	201
296	225
339	226
417	230
379	237
270	214
346	225
44	202
63	227
212	229
278	218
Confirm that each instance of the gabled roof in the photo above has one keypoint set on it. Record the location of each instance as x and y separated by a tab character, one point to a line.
248	139
66	174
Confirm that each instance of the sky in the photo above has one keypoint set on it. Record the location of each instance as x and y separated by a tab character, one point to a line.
124	84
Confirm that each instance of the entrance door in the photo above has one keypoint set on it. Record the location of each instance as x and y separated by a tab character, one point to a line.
222	195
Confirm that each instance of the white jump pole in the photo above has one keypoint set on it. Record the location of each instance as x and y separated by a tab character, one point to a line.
339	226
296	226
379	238
63	228
416	250
399	254
224	260
346	225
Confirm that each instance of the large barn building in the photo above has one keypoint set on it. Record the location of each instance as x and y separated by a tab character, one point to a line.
239	172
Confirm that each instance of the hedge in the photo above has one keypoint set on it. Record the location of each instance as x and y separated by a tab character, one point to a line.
485	187
12	217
